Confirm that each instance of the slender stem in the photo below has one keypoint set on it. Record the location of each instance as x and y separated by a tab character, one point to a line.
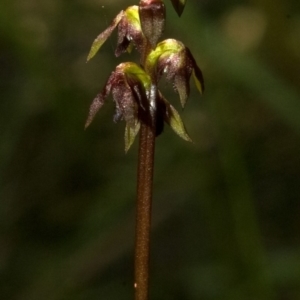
143	208
144	192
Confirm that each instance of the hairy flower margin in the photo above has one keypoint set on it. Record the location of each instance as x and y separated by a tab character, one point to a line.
131	85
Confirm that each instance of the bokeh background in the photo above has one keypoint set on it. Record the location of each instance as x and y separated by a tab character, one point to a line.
226	211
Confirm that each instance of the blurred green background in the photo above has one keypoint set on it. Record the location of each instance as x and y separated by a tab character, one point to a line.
226	211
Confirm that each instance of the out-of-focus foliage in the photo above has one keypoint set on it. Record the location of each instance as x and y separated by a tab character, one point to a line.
226	208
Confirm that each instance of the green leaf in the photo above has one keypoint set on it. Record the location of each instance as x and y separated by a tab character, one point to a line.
179	6
173	119
130	134
102	37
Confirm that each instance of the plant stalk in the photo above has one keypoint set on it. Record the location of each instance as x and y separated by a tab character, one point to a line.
143	207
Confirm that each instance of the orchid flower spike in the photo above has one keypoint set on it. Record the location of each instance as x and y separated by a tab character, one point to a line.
134	87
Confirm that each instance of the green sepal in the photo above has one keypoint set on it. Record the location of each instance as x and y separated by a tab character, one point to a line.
198	82
130	134
132	16
173	119
197	73
102	37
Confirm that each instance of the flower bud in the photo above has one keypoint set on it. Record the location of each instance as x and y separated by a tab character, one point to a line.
152	16
130	33
179	6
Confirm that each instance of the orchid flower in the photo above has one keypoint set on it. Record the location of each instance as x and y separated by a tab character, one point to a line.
174	59
130	87
129	32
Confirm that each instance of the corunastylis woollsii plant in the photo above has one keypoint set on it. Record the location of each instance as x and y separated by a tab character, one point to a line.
134	88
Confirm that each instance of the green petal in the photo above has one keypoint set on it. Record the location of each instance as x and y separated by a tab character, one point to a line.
130	47
173	119
182	86
130	134
197	73
179	6
199	83
102	37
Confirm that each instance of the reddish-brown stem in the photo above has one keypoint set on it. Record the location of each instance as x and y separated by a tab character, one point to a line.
143	208
144	192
